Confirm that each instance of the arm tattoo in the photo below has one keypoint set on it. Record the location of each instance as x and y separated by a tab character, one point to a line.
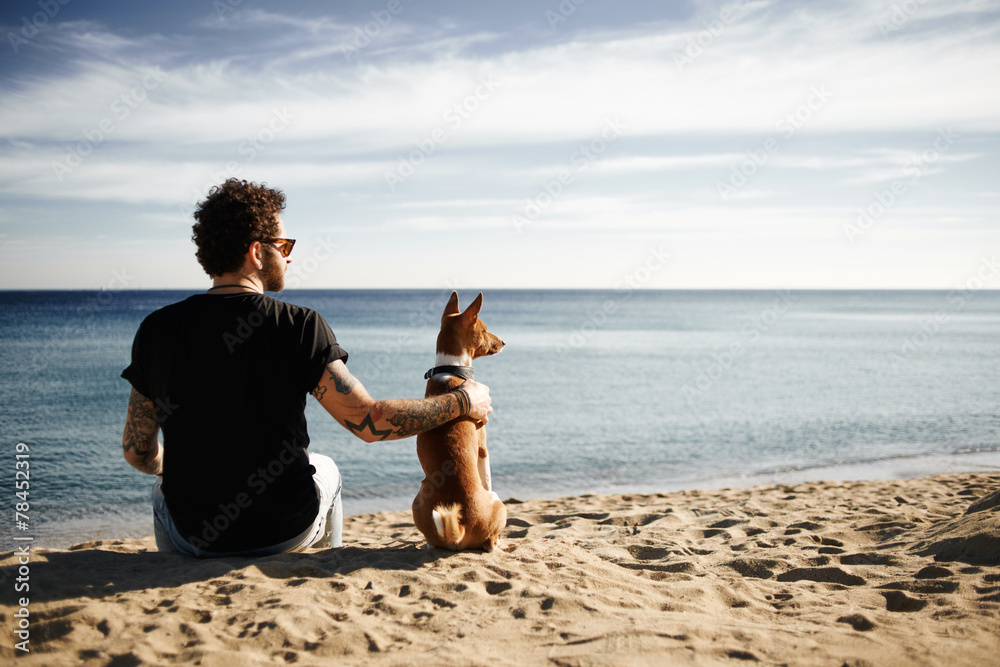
319	392
140	423
139	428
343	382
368	425
420	417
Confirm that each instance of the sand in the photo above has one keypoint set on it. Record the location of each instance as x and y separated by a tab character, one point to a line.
903	572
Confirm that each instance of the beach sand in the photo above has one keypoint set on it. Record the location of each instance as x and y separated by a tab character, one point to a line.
903	572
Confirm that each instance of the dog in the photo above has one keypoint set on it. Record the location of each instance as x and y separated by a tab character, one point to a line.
456	507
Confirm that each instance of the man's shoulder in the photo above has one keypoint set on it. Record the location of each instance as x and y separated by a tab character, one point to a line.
294	311
171	310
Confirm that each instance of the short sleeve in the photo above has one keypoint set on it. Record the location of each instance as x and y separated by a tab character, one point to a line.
321	349
135	373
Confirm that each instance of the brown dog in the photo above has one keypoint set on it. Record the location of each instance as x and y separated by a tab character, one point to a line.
456	508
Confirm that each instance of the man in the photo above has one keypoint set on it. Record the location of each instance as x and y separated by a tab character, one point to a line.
225	374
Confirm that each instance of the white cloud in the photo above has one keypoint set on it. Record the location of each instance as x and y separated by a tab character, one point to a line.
878	166
160	120
759	70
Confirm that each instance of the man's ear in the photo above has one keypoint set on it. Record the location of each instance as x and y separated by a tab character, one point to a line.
256	255
452	307
472	312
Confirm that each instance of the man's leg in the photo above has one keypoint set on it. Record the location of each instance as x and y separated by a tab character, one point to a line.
163	525
331	510
161	518
326	531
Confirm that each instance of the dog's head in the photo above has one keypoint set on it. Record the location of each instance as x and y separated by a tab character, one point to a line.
464	333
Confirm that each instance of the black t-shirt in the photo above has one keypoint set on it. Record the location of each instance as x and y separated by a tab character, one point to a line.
229	376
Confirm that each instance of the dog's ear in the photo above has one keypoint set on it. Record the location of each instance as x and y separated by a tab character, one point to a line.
472	312
452	307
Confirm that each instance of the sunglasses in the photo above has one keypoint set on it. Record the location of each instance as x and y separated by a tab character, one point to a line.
284	246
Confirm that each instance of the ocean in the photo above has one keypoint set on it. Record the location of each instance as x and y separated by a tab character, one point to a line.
596	392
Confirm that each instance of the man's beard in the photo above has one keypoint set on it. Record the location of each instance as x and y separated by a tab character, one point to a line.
273	272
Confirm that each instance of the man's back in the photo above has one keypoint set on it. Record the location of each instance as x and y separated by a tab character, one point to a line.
229	375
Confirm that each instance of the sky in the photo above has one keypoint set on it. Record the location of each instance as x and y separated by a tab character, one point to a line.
752	144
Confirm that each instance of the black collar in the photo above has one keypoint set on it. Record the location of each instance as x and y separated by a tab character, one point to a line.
464	372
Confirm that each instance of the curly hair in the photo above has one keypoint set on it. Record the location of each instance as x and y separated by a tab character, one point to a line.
234	215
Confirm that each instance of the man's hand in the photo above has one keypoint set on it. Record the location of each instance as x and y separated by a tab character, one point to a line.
479	395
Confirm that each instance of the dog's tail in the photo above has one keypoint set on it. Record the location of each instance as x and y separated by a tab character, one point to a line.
447	523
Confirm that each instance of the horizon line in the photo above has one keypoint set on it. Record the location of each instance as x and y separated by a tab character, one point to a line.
523	289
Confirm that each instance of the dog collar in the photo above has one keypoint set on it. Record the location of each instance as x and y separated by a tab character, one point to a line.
464	372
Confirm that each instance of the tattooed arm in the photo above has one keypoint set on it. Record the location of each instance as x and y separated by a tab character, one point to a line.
348	402
139	441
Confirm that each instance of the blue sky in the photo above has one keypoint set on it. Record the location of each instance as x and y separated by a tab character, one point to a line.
748	144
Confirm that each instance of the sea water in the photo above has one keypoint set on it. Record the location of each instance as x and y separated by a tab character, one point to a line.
595	392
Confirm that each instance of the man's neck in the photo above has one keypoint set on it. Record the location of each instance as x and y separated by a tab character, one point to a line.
231	283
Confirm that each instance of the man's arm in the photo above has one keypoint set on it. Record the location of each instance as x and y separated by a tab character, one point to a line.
141	446
348	402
